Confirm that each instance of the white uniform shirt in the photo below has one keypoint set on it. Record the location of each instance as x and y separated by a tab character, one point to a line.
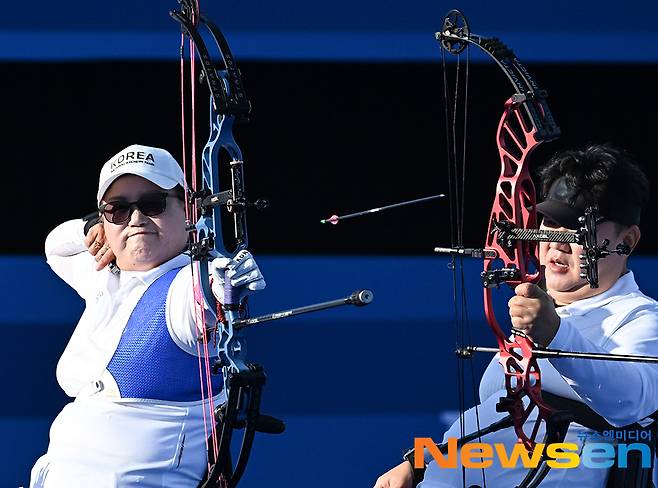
622	320
101	440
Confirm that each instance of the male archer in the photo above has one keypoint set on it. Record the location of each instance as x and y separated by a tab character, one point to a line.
615	318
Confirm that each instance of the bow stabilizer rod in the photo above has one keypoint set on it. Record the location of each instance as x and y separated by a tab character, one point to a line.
468	352
359	298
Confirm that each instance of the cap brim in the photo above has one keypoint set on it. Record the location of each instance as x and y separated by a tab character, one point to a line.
561	213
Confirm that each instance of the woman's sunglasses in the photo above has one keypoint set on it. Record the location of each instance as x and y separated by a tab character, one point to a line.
151	204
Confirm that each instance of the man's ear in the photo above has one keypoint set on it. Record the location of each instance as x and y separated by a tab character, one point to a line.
631	236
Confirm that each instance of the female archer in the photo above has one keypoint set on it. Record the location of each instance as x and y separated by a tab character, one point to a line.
132	364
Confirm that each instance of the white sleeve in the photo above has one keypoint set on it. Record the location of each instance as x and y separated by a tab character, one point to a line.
493	379
69	258
181	311
622	392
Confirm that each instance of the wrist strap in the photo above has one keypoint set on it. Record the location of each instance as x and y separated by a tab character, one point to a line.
91	220
417	473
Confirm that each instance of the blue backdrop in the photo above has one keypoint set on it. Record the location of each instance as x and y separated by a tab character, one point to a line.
368	30
354	385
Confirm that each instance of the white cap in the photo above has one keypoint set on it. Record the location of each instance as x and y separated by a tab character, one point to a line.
151	163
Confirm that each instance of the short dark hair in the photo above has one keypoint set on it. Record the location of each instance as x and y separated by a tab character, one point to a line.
605	175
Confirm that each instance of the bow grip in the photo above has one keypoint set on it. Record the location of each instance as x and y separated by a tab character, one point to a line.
231	293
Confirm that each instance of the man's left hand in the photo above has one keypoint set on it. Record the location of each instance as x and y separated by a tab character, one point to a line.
533	313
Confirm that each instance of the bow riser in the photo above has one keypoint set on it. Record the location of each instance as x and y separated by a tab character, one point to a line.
515	198
221	138
515	205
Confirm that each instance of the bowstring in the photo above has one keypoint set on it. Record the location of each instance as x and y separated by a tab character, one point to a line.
205	373
449	114
457	184
475	394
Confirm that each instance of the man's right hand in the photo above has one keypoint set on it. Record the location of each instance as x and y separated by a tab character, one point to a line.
400	476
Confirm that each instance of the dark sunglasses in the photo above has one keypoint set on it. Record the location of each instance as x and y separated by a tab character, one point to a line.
151	204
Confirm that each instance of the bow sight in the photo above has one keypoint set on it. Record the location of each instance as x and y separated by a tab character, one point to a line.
507	234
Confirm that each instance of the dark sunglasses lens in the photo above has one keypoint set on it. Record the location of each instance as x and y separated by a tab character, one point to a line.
153	204
116	213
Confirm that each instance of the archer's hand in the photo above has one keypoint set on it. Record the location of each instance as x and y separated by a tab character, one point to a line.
400	476
98	247
242	270
533	313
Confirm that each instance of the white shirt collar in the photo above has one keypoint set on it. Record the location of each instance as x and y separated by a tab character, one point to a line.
625	285
148	277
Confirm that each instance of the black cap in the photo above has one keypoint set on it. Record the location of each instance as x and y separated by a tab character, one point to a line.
565	203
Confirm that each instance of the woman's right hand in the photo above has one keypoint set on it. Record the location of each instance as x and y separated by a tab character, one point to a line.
98	247
400	476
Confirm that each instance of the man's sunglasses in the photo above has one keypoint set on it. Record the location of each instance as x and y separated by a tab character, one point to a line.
151	204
